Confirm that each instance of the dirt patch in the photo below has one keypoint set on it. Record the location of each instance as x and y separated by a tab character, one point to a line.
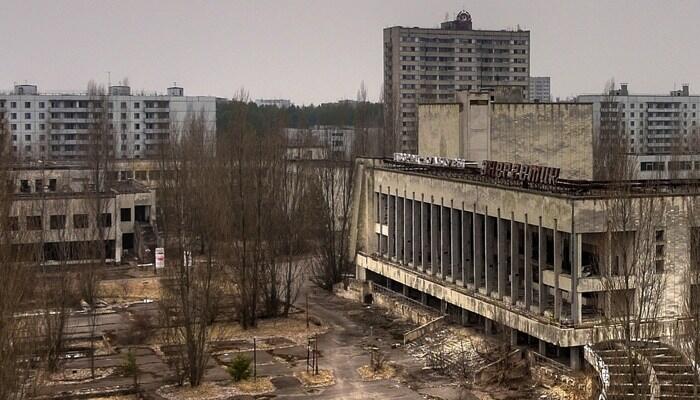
324	377
255	386
368	374
124	290
284	330
127	397
76	375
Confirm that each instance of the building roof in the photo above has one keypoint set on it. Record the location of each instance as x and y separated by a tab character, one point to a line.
569	188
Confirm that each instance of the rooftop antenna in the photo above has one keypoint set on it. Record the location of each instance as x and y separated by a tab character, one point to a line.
109	79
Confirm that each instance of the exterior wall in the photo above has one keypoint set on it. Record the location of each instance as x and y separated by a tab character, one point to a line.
460	259
51	126
423	65
551	134
69	205
475	125
438	130
548	134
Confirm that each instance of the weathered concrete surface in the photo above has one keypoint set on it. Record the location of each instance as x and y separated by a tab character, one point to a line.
438	130
551	134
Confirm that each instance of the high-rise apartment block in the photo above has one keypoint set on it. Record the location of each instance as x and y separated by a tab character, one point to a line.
654	124
57	126
540	89
427	65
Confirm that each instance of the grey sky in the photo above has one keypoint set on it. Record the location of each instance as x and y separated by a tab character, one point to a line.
317	51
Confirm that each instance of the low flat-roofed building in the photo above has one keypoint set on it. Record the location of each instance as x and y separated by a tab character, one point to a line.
532	253
62	211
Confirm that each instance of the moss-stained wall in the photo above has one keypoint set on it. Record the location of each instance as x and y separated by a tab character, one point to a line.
551	134
438	130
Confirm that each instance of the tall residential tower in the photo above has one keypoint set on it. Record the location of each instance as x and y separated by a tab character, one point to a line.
428	65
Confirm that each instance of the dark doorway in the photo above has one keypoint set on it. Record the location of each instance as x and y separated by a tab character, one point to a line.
142	213
128	241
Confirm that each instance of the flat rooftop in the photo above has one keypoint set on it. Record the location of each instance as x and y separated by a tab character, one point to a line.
576	189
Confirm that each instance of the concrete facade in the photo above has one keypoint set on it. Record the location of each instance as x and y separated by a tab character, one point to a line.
518	257
442	121
56	126
553	134
423	65
547	134
57	210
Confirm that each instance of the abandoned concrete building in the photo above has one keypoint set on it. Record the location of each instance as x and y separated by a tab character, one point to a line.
530	259
55	216
500	126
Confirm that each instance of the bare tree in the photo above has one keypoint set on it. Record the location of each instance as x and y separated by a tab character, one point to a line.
332	187
99	161
16	346
633	270
191	282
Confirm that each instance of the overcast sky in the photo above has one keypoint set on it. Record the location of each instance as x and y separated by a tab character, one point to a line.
318	51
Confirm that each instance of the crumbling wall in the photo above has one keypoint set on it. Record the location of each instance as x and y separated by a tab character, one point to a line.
438	130
551	134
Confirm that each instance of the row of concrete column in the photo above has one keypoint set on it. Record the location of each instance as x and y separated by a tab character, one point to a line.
482	250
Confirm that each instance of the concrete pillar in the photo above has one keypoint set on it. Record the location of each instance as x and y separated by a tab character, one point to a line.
575	358
391	211
502	255
398	228
541	260
478	241
445	239
557	272
378	221
488	326
467	247
455	249
464	317
434	239
404	290
415	229
407	216
576	245
528	264
513	337
488	271
360	273
542	347
381	221
514	258
425	234
423	298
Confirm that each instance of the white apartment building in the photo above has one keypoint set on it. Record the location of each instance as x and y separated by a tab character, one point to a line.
55	126
540	89
428	65
659	128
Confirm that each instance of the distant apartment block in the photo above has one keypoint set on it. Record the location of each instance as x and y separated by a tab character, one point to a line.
279	103
540	89
56	126
428	65
656	127
320	142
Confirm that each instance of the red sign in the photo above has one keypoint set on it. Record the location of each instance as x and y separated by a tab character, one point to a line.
520	172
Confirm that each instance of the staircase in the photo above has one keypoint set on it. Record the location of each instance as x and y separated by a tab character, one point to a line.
649	370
